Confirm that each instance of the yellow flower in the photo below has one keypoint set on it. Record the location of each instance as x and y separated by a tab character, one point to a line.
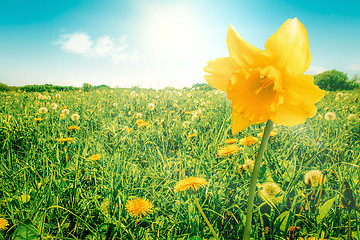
137	207
95	157
24	198
73	127
3	223
190	183
172	111
267	84
192	135
65	139
231	140
38	119
228	150
248	141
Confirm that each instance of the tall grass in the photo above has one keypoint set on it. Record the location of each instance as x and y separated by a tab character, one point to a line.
51	189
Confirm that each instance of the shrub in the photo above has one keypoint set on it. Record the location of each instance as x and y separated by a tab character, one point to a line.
334	81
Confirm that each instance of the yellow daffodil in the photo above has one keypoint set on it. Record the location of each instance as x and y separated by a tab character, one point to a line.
267	84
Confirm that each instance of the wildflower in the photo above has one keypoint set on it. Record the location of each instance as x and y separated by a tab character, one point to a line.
115	105
43	110
137	207
104	207
162	108
144	124
58	96
190	183
267	84
24	198
53	106
73	127
271	191
351	116
139	121
62	116
248	141
231	140
65	111
325	109
191	135
132	94
65	139
186	124
64	107
172	111
228	150
330	116
75	117
38	119
95	157
340	94
313	178
151	106
138	115
3	223
352	108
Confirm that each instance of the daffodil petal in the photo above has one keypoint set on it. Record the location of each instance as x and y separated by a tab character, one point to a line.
238	123
244	54
221	70
291	115
300	89
289	46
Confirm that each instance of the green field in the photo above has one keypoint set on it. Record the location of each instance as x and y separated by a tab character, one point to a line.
53	190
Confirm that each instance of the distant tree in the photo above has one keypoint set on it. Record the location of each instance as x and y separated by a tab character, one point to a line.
203	86
87	87
334	80
4	87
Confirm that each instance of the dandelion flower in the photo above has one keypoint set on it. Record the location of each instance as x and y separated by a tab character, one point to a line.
53	106
24	198
73	127
190	183
65	139
43	110
267	84
351	116
38	119
172	111
231	140
138	115
132	94
151	106
75	117
248	141
3	223
313	178
228	150
330	116
144	124
138	207
62	116
139	121
95	157
58	96
186	124
191	135
65	111
271	191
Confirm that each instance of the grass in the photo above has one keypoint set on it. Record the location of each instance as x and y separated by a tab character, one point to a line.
52	190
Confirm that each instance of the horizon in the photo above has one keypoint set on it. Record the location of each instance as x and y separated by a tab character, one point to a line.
158	44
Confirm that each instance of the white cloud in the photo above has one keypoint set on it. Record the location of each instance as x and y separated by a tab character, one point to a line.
81	43
313	70
353	67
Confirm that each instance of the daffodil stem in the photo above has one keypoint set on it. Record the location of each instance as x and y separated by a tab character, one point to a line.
254	177
206	219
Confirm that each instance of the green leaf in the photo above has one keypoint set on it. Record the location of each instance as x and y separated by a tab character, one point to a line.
325	208
26	231
282	220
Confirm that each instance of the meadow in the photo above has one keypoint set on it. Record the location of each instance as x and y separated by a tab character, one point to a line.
71	161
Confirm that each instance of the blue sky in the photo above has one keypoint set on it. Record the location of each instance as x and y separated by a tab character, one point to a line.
158	43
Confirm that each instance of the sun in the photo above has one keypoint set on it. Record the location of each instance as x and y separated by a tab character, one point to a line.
171	30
